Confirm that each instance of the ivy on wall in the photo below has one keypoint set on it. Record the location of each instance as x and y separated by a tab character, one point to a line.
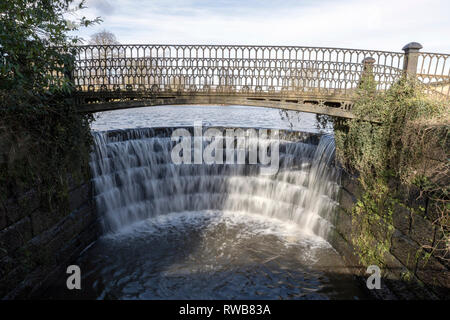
405	143
42	137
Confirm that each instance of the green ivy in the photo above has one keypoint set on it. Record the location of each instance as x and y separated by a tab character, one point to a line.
385	150
43	138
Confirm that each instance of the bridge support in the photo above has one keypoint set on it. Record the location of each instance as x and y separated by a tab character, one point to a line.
367	74
411	58
69	68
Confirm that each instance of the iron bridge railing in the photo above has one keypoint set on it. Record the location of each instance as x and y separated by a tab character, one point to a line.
250	70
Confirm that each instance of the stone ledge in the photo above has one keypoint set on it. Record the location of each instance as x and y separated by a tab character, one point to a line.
15	236
346	200
401	219
38	283
434	275
350	184
422	231
16	209
3	219
343	223
404	249
48	251
79	196
43	220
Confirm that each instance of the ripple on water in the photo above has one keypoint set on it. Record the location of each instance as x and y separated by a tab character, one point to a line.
213	255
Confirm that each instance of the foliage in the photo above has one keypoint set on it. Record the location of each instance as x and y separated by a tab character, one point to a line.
323	122
405	141
372	230
42	137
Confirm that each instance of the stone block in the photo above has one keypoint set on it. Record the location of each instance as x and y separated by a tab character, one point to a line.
436	210
346	200
16	209
3	220
350	184
7	263
442	247
404	288
343	223
79	196
401	219
16	235
46	246
43	220
72	249
72	182
412	196
422	230
39	221
434	275
10	281
404	249
379	228
346	250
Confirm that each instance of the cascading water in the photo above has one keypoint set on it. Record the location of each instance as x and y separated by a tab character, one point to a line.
135	179
212	231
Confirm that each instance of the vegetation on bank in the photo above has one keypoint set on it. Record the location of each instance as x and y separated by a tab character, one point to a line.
43	140
405	147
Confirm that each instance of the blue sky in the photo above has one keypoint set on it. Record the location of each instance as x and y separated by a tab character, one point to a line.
379	24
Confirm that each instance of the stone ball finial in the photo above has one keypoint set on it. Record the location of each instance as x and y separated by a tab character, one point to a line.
412	46
368	60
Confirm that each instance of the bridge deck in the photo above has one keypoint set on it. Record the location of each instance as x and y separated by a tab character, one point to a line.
331	105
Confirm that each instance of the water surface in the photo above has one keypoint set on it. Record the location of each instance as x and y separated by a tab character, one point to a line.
238	116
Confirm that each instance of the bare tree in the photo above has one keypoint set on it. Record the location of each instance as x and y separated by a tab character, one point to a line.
112	64
103	56
103	38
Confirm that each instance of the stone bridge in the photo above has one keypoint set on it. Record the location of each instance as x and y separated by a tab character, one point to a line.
318	80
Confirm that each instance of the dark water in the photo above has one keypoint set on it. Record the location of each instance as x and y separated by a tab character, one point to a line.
212	255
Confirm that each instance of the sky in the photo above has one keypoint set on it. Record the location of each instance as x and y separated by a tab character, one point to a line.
360	24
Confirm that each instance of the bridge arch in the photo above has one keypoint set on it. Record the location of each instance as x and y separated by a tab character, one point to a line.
312	105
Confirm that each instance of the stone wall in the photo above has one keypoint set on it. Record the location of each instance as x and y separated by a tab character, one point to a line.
409	272
37	243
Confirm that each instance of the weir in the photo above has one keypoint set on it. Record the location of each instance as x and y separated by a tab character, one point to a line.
135	179
214	231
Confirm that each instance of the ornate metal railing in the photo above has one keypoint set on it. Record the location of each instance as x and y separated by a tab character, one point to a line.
226	69
433	69
250	70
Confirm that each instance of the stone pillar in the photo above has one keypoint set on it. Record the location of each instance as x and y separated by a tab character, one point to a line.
368	63
69	68
411	58
367	73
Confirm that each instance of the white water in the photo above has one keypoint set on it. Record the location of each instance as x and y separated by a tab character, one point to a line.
210	231
135	179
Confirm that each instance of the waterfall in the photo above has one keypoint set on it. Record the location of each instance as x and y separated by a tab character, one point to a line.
135	179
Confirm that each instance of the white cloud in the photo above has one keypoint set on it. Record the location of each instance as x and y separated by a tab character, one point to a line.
382	24
104	7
